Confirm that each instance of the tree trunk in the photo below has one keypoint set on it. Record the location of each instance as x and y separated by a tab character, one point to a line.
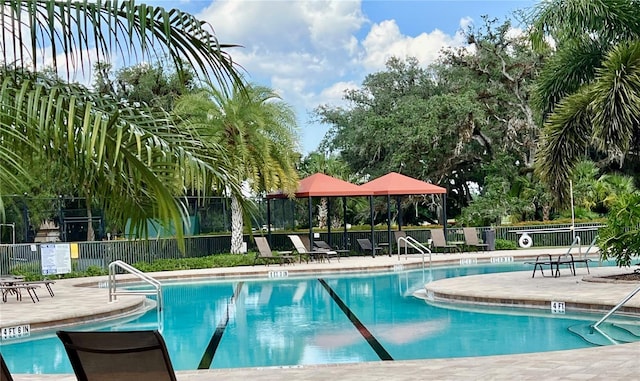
323	210
546	212
91	235
237	226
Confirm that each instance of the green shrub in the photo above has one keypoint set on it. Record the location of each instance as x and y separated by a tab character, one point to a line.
95	271
505	244
218	260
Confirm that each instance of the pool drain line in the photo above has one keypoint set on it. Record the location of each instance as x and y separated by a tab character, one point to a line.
373	342
207	357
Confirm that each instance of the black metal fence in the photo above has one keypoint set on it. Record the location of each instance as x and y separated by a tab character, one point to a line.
101	253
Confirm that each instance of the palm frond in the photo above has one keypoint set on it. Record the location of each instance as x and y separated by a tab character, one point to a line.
616	99
133	163
566	71
135	31
563	141
565	20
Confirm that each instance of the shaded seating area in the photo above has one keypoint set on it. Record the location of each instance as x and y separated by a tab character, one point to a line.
395	185
266	256
122	356
471	239
366	246
323	186
438	241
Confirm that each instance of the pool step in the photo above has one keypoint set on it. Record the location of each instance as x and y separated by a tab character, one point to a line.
631	328
136	326
618	334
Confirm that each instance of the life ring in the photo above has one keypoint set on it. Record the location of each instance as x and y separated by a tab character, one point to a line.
525	241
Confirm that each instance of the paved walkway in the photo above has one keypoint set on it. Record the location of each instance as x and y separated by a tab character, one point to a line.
73	304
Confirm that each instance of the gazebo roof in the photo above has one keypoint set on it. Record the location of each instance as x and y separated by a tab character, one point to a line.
394	183
321	185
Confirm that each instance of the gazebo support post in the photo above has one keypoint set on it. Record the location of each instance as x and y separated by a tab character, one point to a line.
269	221
389	239
444	214
310	224
373	237
399	206
344	221
328	221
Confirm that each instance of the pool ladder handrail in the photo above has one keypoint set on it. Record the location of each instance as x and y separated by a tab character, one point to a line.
617	307
577	241
410	241
113	292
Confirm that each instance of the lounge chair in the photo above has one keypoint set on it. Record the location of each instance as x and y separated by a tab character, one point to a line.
471	239
554	264
12	287
122	356
367	246
322	245
266	255
303	249
5	375
401	244
47	284
438	241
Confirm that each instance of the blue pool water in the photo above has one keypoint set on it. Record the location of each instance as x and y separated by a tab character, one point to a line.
293	321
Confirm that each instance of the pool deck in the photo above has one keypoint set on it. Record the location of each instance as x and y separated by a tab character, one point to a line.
72	304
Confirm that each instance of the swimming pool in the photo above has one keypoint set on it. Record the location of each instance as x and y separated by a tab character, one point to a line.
296	321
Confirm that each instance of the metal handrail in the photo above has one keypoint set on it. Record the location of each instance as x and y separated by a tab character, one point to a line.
113	292
617	307
410	241
591	246
576	240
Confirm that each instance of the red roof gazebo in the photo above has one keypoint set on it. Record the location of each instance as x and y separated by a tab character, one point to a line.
396	184
319	185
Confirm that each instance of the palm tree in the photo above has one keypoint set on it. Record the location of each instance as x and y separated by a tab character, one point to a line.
133	162
589	90
259	133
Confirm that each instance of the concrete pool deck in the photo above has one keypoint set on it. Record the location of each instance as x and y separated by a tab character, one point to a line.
72	304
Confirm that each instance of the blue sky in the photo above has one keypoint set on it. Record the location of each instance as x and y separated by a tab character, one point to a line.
311	51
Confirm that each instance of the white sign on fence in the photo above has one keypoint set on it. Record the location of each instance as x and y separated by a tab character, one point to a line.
56	258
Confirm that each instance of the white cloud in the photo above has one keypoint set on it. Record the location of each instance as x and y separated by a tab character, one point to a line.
385	40
333	94
309	51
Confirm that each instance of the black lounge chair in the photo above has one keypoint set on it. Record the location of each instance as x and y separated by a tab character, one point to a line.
322	245
122	356
367	246
566	259
5	375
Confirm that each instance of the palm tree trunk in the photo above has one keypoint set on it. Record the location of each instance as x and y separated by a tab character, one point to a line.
91	235
237	225
323	211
